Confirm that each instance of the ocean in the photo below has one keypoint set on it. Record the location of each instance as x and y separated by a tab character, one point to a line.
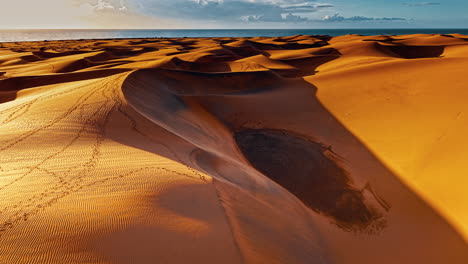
61	34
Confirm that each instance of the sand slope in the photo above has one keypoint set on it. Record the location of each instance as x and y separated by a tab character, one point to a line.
303	149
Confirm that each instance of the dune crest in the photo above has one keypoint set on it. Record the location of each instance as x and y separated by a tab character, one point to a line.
302	149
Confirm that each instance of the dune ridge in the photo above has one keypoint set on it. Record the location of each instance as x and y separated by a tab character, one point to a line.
301	149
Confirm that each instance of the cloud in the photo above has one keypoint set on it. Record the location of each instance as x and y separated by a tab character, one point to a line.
421	4
235	10
166	13
277	18
117	14
103	5
293	18
305	7
250	11
333	18
226	11
338	18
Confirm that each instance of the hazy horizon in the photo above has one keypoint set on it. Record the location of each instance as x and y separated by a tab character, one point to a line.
69	34
221	29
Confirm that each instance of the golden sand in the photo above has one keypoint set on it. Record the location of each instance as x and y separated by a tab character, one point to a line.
303	149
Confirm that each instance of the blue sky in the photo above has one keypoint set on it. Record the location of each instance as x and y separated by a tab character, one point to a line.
233	13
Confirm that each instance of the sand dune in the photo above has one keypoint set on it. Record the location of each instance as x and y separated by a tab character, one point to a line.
302	149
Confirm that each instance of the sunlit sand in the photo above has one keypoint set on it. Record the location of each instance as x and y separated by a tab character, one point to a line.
302	149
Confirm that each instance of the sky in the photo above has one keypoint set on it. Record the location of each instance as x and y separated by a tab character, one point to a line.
232	14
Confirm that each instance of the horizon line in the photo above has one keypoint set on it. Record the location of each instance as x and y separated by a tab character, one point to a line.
383	28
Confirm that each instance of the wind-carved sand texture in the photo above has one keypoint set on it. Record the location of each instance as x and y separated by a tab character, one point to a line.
302	149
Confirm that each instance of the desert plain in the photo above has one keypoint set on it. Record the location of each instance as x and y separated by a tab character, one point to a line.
301	149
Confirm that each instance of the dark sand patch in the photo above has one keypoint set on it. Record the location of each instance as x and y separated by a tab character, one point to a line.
312	172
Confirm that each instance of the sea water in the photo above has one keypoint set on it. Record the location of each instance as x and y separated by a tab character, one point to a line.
63	34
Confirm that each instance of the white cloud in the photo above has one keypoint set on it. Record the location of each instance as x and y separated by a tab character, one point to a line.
421	4
164	13
337	18
102	5
235	10
26	14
